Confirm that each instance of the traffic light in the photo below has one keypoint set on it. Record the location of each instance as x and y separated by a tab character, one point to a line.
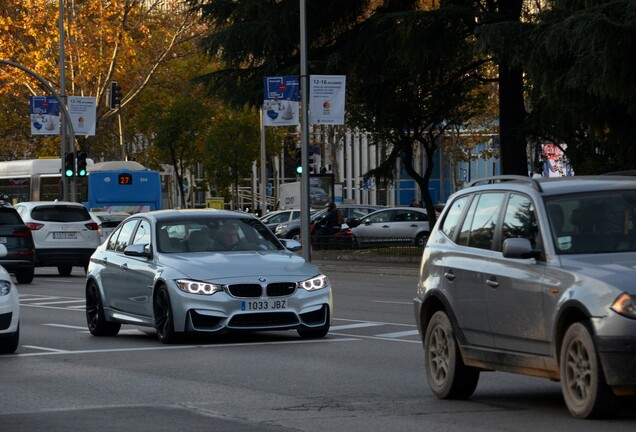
115	95
81	164
299	161
69	165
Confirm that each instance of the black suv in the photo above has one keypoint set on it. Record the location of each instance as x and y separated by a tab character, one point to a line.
16	236
536	277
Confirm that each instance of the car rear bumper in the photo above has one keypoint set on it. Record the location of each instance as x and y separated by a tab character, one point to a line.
618	357
14	265
56	257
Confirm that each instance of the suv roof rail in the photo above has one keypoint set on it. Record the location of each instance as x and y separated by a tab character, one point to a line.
507	178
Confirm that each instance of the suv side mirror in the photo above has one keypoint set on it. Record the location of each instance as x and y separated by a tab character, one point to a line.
519	248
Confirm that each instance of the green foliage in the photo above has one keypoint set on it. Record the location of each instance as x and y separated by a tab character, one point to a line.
258	38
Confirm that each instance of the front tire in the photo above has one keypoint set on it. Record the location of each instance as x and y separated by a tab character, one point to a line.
164	319
448	376
24	276
95	318
582	380
421	240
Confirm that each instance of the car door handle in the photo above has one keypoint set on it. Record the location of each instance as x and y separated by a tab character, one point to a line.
492	283
449	275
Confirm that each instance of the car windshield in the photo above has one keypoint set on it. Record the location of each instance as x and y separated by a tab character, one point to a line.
600	222
215	234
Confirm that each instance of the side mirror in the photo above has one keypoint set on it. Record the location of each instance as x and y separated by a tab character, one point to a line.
519	248
291	245
138	250
3	250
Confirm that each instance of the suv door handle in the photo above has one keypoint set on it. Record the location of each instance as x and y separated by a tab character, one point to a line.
492	283
449	275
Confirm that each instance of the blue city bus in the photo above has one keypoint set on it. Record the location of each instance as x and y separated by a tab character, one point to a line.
123	187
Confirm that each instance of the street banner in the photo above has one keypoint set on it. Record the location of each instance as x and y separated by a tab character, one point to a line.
327	99
82	110
282	96
45	115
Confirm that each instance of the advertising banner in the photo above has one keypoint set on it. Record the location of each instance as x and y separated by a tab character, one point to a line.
327	99
82	110
282	96
45	115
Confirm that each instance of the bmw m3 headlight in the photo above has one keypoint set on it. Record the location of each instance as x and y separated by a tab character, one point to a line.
5	287
314	283
198	287
625	305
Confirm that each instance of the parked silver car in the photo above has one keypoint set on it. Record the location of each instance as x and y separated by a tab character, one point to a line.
534	276
395	225
277	217
203	271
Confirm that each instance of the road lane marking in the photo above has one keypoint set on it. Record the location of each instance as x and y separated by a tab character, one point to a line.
392	302
171	347
29	297
49	350
66	326
399	334
352	326
58	302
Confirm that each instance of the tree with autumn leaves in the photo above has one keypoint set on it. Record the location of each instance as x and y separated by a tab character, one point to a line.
129	41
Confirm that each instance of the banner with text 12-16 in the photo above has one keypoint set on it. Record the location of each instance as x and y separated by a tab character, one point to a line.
327	99
280	106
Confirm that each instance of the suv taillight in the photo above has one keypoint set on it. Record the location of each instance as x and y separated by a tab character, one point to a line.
22	232
92	226
34	226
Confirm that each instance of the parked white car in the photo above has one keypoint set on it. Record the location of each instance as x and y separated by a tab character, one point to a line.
64	234
9	311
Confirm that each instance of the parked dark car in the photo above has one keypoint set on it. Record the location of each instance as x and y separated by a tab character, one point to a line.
291	230
16	236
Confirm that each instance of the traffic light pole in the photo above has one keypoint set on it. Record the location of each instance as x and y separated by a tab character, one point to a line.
65	115
304	129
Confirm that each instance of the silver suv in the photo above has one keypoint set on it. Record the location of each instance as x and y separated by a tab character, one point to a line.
536	277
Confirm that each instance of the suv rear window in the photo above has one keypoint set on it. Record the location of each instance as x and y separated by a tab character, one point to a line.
60	214
9	216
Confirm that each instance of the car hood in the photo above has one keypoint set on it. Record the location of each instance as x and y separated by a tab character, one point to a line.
227	266
615	269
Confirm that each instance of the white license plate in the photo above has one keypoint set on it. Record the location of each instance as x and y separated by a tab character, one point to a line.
263	305
3	240
64	235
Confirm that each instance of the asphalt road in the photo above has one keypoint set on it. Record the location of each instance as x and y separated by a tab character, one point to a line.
366	375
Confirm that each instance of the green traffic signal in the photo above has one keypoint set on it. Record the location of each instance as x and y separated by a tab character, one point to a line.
69	165
81	164
299	161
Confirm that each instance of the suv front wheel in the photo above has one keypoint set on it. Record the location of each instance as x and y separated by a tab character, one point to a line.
448	376
582	380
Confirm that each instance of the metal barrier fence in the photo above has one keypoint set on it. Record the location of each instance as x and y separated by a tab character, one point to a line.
377	245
